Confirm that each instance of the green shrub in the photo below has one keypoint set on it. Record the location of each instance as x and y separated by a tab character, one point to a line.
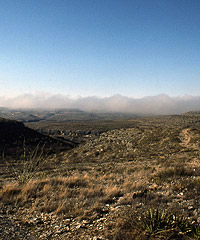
156	224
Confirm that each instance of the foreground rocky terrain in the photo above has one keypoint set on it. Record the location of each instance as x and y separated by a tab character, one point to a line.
90	191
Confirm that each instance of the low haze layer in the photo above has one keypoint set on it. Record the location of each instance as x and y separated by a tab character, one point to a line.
159	104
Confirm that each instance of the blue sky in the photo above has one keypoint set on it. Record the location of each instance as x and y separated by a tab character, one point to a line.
100	48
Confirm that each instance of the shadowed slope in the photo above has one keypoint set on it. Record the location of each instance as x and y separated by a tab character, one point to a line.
15	139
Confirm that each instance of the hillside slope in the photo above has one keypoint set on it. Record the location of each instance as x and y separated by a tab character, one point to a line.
15	139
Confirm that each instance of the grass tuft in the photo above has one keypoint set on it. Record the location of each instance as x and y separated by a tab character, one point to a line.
31	163
156	224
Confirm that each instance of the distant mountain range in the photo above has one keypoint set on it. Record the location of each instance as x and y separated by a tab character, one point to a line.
161	104
60	115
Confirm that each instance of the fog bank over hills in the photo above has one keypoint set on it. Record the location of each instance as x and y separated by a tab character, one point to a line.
159	104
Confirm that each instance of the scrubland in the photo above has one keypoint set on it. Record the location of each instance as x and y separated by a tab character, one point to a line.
141	181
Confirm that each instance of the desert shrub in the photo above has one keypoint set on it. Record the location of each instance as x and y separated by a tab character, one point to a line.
30	164
156	224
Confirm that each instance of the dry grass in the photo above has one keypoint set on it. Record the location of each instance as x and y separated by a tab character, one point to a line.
73	196
82	185
77	193
90	194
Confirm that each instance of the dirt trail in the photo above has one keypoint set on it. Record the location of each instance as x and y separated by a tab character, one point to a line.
186	139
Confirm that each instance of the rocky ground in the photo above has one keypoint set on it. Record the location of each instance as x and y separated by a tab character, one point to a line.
89	189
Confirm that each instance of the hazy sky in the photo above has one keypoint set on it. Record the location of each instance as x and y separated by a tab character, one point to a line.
100	48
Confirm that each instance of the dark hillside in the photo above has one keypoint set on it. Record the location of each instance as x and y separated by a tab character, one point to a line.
15	139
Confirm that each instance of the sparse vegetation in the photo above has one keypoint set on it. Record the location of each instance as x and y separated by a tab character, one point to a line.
139	182
156	224
30	162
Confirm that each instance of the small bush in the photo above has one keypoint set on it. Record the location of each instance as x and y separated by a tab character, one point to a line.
156	224
31	162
